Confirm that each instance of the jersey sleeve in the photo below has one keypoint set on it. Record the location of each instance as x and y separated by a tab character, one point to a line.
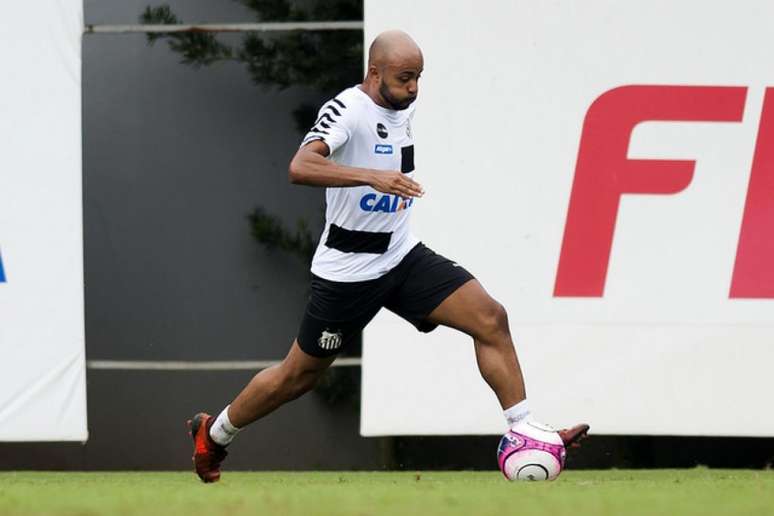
334	125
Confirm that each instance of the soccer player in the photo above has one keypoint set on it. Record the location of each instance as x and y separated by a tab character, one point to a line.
361	148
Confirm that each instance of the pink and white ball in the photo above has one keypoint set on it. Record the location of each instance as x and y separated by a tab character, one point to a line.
531	452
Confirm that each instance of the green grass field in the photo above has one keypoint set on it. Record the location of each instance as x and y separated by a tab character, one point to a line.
617	492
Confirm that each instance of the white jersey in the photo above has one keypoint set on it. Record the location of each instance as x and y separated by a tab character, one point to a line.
366	231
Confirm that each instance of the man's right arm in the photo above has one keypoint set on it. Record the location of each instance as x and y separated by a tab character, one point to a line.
311	167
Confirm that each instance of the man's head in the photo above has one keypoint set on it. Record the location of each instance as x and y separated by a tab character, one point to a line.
395	63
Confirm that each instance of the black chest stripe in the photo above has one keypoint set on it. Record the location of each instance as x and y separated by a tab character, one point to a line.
351	241
407	159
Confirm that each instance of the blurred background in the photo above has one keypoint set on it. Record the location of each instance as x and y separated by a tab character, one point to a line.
197	250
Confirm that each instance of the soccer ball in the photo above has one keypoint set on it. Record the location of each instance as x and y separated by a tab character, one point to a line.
531	452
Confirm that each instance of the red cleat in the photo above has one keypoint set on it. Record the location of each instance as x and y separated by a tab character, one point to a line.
207	453
571	437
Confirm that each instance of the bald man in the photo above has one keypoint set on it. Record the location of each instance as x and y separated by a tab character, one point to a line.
361	148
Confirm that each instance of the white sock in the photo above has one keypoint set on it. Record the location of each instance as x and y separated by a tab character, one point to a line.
222	431
517	413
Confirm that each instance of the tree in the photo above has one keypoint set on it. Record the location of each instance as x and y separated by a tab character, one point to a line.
328	61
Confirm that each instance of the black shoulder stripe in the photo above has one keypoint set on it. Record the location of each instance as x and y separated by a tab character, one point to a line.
325	116
325	126
335	111
316	130
340	103
311	138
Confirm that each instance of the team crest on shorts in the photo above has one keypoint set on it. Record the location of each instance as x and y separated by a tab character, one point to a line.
329	340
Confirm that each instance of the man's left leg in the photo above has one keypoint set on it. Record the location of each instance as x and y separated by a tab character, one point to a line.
473	311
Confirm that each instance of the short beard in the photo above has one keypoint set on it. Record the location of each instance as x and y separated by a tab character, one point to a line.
391	101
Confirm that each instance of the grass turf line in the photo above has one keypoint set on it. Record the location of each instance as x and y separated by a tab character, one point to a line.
577	493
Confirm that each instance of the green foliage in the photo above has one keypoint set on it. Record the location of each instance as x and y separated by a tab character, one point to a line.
273	10
196	49
340	386
337	385
326	60
271	232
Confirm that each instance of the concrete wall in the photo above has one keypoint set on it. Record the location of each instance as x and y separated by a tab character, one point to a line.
174	160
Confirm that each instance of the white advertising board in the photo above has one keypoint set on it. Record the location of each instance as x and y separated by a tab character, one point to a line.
606	171
42	385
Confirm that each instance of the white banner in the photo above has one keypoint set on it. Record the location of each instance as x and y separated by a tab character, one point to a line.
606	170
42	385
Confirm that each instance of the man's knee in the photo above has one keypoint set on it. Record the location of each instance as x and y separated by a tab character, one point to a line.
299	380
492	321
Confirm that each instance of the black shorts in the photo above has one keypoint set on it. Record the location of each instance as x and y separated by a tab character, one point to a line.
337	311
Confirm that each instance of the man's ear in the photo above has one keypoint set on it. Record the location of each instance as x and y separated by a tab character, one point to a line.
373	72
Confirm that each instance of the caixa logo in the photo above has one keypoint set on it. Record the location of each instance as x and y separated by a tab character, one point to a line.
2	270
385	203
603	173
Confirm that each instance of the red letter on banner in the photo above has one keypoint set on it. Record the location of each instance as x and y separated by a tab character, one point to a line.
754	268
603	173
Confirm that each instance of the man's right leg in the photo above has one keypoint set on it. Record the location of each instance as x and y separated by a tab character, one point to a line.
267	391
334	316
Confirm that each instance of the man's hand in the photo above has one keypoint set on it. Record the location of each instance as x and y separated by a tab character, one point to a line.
394	182
310	167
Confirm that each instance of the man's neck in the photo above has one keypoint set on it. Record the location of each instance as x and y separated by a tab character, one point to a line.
373	92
